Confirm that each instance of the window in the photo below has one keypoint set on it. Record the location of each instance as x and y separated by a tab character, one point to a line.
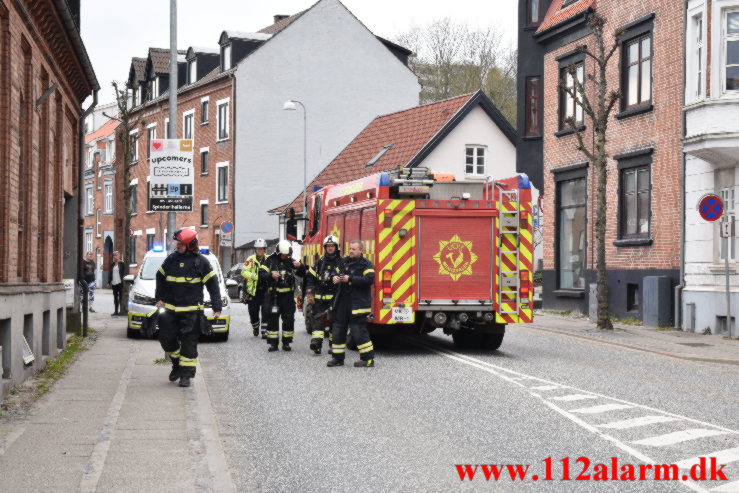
637	71
134	138
131	250
140	99
635	191
187	120
108	197
89	200
193	72
226	57
166	129
698	53
731	48
204	161
204	112
727	196
134	93
536	11
533	106
222	182
569	106
223	124
148	195
88	240
571	233
475	160
204	214
98	223
149	241
155	88
151	134
134	199
377	157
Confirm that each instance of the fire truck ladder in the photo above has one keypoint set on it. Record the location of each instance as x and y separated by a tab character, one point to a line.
509	286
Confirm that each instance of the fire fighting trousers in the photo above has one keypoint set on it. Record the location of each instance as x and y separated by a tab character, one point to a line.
282	307
257	310
179	333
320	330
344	320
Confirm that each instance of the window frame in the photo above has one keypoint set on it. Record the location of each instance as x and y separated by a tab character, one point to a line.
98	222
626	67
204	209
204	110
529	130
219	197
192	66
475	156
204	171
134	198
565	99
729	212
88	240
226	58
107	197
725	39
133	136
640	159
151	134
564	175
89	199
629	33
529	12
219	119
188	115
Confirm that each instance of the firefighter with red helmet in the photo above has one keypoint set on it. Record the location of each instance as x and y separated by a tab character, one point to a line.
281	295
179	295
322	289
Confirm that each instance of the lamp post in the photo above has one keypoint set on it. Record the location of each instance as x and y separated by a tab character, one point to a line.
291	105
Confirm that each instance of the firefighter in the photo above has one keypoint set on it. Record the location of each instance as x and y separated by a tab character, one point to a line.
256	277
321	289
179	292
352	305
281	295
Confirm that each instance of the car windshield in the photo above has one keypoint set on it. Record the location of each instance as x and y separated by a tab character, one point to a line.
150	267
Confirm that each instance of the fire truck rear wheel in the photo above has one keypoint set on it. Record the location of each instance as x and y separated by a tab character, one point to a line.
491	341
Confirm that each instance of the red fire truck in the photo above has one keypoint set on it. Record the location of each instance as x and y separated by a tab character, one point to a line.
447	254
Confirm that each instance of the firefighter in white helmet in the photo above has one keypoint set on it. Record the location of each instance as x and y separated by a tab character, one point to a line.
321	290
256	277
281	295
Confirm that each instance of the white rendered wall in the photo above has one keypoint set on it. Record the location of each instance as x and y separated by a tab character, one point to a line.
345	77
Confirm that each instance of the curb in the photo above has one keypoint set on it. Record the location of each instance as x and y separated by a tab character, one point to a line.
631	346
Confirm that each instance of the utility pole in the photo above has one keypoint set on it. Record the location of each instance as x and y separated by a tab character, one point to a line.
171	216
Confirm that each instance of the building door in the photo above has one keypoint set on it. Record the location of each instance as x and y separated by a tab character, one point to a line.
107	257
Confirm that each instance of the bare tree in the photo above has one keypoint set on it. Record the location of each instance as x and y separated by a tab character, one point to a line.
599	113
127	123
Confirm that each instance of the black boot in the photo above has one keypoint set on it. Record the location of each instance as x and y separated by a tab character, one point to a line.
185	381
315	346
286	346
365	363
175	373
335	362
272	347
255	328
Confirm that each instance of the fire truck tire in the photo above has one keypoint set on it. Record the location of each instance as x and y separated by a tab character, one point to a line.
463	339
491	341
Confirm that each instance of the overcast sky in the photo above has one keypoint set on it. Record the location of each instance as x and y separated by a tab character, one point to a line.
116	30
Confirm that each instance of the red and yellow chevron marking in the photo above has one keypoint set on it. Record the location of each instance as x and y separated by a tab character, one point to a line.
526	244
397	255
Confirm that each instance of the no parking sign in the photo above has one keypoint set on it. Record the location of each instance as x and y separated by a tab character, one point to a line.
711	207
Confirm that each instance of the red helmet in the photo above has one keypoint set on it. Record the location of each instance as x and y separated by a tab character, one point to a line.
188	237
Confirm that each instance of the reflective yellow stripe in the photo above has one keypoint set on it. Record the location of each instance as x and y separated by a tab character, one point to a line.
161	271
318	334
311	271
188	361
284	290
324	297
361	310
272	333
338	348
287	333
191	308
191	280
174	354
364	345
368	271
207	277
264	267
367	349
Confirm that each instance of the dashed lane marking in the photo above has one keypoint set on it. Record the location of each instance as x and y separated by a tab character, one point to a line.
636	422
603	408
679	437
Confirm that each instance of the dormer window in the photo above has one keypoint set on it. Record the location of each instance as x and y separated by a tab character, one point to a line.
226	57
134	93
193	72
155	88
377	157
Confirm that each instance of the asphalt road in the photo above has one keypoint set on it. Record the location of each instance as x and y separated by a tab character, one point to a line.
289	423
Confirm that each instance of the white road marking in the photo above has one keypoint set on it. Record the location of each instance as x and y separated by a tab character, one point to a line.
603	408
574	397
546	387
732	487
640	421
511	376
722	457
678	437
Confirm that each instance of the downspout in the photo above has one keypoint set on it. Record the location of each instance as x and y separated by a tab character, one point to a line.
678	315
81	210
233	164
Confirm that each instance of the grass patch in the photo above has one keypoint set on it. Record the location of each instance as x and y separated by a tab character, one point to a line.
160	361
562	313
57	367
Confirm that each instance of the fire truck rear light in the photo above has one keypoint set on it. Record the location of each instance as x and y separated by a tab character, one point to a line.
388	218
387	277
525	275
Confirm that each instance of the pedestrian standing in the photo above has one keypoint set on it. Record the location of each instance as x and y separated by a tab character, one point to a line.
352	306
117	273
321	291
179	290
256	276
281	295
88	268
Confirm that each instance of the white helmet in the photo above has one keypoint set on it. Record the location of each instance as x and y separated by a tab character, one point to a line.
284	248
260	243
331	239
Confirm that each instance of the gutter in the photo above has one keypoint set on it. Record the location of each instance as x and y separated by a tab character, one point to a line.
79	45
678	296
81	210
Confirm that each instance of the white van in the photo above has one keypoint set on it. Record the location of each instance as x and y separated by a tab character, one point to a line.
141	296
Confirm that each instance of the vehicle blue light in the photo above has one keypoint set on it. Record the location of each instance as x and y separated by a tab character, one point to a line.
158	248
205	251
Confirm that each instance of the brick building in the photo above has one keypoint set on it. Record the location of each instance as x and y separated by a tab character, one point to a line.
99	197
644	147
45	75
202	115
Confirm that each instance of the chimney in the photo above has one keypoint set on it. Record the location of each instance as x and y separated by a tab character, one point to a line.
280	17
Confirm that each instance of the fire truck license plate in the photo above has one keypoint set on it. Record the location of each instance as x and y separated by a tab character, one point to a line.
402	314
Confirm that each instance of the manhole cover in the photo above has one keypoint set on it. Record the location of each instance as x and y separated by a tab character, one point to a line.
694	344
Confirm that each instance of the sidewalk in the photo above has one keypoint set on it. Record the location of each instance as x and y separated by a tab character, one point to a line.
114	423
673	343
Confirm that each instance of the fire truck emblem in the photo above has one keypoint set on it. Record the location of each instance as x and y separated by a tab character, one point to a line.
335	230
455	257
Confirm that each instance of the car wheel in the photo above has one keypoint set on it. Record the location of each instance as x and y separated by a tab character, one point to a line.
132	333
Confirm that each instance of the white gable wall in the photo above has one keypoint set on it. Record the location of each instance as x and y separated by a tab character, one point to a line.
475	129
345	77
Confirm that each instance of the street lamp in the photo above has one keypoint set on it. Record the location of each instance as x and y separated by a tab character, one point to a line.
291	105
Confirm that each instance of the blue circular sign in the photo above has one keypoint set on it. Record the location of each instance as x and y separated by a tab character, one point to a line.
711	207
227	227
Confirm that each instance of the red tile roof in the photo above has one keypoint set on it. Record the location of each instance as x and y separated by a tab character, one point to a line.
101	132
407	131
280	25
557	14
